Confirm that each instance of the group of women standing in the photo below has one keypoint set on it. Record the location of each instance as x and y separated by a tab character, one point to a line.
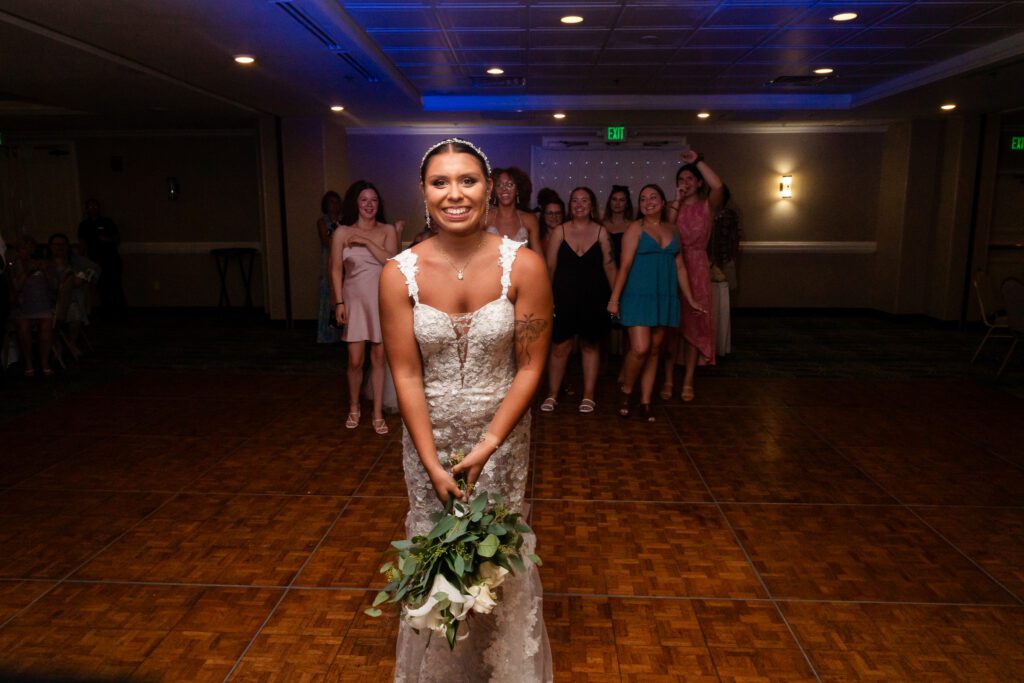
619	270
633	271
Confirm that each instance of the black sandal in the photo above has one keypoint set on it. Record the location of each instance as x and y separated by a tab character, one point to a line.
645	408
624	404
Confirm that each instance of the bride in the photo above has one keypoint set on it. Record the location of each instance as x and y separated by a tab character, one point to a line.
466	321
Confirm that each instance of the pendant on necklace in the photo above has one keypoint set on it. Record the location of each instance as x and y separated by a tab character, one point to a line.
459	274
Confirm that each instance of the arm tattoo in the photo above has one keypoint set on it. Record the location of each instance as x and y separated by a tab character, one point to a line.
528	330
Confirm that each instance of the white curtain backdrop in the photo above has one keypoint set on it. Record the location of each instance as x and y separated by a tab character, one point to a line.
599	169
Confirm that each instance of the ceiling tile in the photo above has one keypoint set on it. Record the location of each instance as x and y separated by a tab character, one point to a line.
764	15
782	55
541	56
973	36
821	37
579	38
892	37
410	39
635	56
707	55
1010	14
938	13
502	58
648	38
666	15
491	17
499	40
733	37
401	57
370	18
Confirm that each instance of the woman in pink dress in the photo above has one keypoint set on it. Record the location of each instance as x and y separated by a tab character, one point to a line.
359	249
698	198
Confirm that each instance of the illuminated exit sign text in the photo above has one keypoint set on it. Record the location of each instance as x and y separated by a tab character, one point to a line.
1016	142
616	133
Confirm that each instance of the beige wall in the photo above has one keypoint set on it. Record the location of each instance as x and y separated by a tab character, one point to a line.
165	243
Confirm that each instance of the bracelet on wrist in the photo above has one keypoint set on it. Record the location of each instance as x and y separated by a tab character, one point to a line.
340	303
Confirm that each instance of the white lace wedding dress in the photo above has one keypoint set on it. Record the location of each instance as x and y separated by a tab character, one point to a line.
468	365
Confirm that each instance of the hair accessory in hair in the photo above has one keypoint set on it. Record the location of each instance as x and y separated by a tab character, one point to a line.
467	143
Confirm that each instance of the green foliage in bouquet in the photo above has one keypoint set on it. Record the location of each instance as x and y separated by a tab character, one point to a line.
440	578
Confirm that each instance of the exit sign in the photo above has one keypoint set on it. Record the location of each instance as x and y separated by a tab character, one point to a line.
616	133
1016	142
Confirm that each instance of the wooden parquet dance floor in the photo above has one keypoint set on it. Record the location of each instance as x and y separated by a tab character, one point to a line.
194	526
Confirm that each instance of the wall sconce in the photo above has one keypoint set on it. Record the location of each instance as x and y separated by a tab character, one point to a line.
786	187
173	189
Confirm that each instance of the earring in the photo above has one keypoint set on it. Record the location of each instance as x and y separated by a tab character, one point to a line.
426	216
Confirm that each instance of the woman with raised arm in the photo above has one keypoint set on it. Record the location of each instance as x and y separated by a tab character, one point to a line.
650	277
582	273
467	320
359	249
699	197
508	216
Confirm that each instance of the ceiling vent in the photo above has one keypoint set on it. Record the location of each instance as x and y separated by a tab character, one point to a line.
497	81
801	80
325	38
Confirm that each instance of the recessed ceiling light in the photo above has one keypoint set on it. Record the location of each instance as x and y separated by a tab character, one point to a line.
703	115
949	106
824	70
649	38
844	16
337	107
572	19
495	71
559	116
245	59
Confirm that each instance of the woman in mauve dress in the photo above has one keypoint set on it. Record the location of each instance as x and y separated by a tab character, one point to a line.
698	198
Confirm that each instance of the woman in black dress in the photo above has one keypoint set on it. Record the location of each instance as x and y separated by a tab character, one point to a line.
582	270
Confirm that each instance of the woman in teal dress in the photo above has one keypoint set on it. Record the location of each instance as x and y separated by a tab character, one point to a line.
646	294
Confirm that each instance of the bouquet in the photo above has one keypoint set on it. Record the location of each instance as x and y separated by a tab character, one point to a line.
443	577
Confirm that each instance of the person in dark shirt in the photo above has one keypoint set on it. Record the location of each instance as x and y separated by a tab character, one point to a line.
101	238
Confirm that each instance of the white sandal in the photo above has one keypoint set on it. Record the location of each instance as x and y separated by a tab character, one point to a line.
548	406
587	405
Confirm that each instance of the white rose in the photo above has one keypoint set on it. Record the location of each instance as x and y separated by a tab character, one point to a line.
483	599
428	615
491	574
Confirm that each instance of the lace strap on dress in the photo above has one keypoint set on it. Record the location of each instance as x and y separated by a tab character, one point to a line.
406	261
507	253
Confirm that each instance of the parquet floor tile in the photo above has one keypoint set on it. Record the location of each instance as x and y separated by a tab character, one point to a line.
992	537
616	471
368	651
878	642
877	426
46	534
856	553
640	549
386	477
753	425
306	465
239	539
120	631
941	476
16	595
354	550
135	462
26	455
769	473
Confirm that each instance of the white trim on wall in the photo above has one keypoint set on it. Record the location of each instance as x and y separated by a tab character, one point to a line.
183	247
796	247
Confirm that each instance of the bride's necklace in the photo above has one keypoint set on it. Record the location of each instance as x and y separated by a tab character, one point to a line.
459	272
